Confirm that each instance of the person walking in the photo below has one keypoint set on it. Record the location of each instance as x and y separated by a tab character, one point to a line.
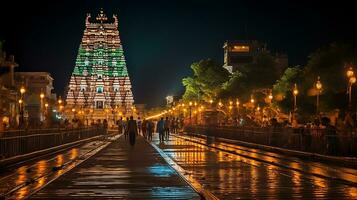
167	128
132	129
149	129
172	125
120	125
125	127
160	128
139	125
143	128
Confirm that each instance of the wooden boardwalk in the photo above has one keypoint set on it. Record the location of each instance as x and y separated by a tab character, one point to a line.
120	171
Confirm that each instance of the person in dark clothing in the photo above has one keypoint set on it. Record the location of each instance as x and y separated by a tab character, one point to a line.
125	127
132	129
120	125
167	128
149	129
160	128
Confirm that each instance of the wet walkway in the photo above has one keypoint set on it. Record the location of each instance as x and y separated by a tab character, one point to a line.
120	172
232	176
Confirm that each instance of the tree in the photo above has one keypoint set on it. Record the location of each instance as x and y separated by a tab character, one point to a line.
329	64
206	82
285	84
283	88
260	74
236	86
263	72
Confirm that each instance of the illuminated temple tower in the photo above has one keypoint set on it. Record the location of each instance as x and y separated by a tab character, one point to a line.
100	79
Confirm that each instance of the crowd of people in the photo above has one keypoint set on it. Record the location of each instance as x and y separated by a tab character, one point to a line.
131	128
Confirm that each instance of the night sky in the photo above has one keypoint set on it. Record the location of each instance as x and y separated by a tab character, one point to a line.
162	38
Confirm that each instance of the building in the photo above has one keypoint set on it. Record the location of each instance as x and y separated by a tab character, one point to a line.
100	79
35	84
238	54
8	93
172	100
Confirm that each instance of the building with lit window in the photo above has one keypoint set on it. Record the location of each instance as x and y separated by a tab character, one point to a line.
238	54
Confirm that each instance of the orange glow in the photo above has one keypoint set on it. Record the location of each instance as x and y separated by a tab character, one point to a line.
240	48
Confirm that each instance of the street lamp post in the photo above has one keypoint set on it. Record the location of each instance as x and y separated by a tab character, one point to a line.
351	80
295	93
318	86
42	96
22	105
270	98
46	113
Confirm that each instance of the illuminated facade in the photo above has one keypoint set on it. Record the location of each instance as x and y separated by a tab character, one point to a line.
240	53
100	78
237	54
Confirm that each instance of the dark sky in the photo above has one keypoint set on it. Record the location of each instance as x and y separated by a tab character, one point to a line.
162	38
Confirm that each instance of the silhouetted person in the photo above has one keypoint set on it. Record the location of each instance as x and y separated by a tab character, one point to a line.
139	124
172	125
120	125
143	128
167	128
132	129
125	124
160	128
149	129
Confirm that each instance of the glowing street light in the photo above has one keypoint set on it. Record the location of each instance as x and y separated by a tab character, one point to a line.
22	90
42	96
252	99
351	80
318	86
350	72
295	93
220	104
21	102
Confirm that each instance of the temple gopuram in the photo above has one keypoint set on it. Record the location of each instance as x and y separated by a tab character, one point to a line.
100	87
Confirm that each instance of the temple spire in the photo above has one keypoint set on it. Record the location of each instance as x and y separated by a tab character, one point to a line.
101	16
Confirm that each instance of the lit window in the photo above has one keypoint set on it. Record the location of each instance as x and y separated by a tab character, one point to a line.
240	48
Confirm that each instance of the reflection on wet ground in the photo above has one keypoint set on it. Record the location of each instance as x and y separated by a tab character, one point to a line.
18	183
120	172
231	176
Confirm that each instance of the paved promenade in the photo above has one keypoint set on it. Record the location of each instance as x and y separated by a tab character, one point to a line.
120	172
